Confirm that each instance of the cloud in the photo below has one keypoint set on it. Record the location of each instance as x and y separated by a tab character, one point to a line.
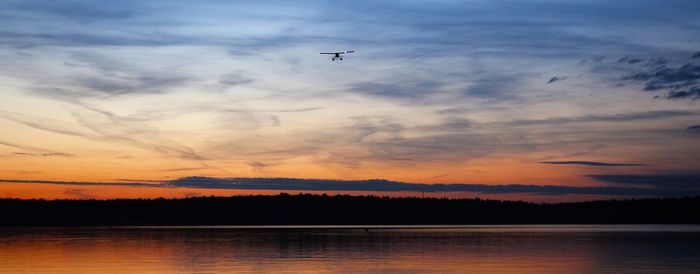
623	117
274	110
103	126
275	120
450	124
108	126
556	79
44	123
193	194
630	60
694	128
79	193
384	185
260	166
441	88
148	24
681	182
232	80
97	74
382	138
588	163
75	39
185	169
34	151
71	183
679	82
595	59
82	12
448	147
130	84
45	154
693	93
111	76
373	140
495	85
405	90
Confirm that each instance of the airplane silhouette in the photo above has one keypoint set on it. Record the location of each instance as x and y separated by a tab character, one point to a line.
338	55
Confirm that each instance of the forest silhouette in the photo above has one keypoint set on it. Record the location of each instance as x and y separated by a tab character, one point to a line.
310	209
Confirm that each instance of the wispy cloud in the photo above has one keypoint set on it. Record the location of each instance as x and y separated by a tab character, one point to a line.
112	127
681	182
232	80
79	194
44	123
260	166
623	117
556	79
34	151
588	163
71	183
81	12
180	169
74	39
93	75
679	81
102	126
403	90
44	154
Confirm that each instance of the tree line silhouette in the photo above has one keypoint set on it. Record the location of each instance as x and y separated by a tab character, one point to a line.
309	209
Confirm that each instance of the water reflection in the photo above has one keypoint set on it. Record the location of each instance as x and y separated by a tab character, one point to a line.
517	249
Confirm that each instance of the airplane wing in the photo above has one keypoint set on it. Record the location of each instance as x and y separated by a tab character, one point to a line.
340	52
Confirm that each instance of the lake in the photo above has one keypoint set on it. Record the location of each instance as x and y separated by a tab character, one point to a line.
354	249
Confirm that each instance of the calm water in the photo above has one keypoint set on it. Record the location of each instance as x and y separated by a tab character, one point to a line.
454	249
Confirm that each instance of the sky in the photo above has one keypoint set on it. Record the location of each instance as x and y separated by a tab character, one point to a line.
544	100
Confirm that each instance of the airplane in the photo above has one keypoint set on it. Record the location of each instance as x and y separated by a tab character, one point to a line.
338	54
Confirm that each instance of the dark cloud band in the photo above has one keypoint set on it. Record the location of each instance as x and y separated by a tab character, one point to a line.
291	184
588	163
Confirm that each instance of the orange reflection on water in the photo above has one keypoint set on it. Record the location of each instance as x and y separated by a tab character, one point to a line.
456	249
293	251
